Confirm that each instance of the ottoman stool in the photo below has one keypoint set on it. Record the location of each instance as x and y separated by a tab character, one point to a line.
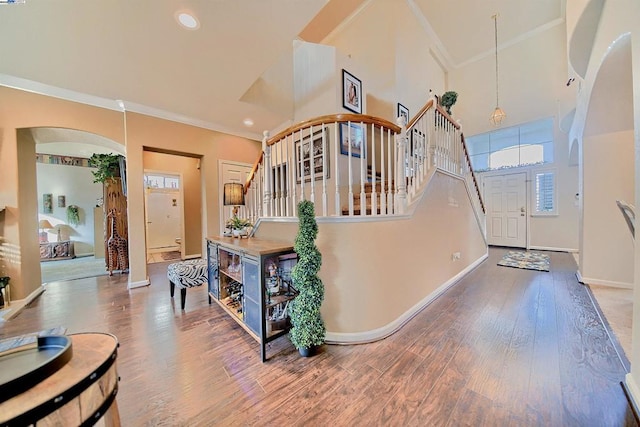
187	274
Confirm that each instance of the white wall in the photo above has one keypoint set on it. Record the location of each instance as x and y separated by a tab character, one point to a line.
76	183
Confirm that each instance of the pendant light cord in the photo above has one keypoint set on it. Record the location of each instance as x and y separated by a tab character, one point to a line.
495	26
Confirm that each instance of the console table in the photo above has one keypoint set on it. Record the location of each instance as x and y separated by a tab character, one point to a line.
53	251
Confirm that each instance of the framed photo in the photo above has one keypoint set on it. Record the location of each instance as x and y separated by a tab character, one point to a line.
351	92
47	203
309	153
62	201
352	134
403	112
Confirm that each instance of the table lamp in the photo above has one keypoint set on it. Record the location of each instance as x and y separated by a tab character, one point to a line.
234	196
44	224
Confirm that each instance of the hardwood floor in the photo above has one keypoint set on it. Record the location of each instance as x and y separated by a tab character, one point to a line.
502	347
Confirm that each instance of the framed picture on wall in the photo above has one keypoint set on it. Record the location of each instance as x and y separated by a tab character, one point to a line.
403	112
47	203
309	156
351	92
352	139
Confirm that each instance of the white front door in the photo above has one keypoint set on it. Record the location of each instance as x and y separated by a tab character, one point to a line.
164	220
231	172
506	199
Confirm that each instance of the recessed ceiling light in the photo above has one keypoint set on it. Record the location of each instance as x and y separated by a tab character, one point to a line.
187	20
248	122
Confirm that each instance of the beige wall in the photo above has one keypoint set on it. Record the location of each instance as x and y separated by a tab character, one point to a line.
606	251
149	132
191	186
18	223
415	258
19	109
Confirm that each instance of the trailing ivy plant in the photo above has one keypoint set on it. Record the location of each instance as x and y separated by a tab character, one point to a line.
73	215
448	99
308	329
108	166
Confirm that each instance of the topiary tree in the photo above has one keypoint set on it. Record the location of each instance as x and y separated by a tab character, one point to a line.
308	330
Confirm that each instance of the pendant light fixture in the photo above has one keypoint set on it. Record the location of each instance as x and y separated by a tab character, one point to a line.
498	114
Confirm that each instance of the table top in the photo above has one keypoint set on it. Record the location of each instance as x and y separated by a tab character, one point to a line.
252	245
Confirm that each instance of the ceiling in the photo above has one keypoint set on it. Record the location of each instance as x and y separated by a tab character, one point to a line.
135	51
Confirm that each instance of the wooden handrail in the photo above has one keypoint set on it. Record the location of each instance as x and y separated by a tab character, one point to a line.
333	118
421	113
473	175
253	172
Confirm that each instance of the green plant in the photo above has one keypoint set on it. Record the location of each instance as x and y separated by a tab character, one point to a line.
108	166
73	215
236	223
448	99
308	329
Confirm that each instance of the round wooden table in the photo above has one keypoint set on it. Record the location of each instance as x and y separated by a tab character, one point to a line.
80	393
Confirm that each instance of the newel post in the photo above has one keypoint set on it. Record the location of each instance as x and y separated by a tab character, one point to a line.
401	168
266	200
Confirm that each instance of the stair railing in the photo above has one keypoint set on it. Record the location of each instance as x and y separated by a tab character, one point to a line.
354	165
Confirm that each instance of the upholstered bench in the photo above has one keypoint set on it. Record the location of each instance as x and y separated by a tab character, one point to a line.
187	274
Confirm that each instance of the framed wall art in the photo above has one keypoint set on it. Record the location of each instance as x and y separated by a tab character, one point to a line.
47	203
403	112
351	92
352	134
309	153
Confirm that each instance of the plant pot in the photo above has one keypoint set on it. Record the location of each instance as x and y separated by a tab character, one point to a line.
307	352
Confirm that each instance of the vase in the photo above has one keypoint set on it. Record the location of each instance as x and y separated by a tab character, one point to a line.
307	352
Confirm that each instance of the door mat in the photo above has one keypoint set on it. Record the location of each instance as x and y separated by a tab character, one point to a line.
170	256
525	260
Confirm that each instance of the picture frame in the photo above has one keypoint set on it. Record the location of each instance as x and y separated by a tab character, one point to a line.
353	134
351	92
305	156
403	112
47	203
62	202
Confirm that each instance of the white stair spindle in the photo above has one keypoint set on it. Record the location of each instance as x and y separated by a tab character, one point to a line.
363	150
325	144
374	178
267	179
336	153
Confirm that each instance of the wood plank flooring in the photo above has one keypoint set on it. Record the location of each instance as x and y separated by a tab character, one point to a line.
503	347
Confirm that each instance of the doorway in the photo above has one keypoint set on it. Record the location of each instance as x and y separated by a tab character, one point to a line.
164	202
506	200
231	172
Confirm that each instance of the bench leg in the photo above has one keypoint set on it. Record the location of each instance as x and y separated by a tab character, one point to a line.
172	287
183	296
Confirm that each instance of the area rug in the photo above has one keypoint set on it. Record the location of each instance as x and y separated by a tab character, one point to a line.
71	269
526	260
170	256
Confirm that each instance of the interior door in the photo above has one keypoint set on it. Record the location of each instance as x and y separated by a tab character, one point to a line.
506	199
232	172
164	219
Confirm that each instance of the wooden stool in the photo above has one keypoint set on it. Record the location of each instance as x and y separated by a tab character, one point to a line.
187	274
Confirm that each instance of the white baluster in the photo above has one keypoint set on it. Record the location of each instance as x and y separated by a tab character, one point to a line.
374	178
383	176
350	169
336	153
401	196
363	151
324	170
312	168
267	179
300	153
292	175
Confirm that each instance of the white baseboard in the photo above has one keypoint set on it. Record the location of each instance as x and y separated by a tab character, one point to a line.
390	328
633	390
553	249
600	282
14	307
138	284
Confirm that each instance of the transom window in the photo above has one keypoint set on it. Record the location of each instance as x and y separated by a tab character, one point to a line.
527	144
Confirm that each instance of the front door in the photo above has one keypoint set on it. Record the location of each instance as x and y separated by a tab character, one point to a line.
505	196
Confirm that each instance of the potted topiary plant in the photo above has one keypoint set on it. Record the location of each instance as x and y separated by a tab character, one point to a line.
308	330
448	99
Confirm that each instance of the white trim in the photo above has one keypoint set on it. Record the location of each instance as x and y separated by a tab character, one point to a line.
138	284
632	388
390	328
12	308
600	282
549	248
116	105
579	277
